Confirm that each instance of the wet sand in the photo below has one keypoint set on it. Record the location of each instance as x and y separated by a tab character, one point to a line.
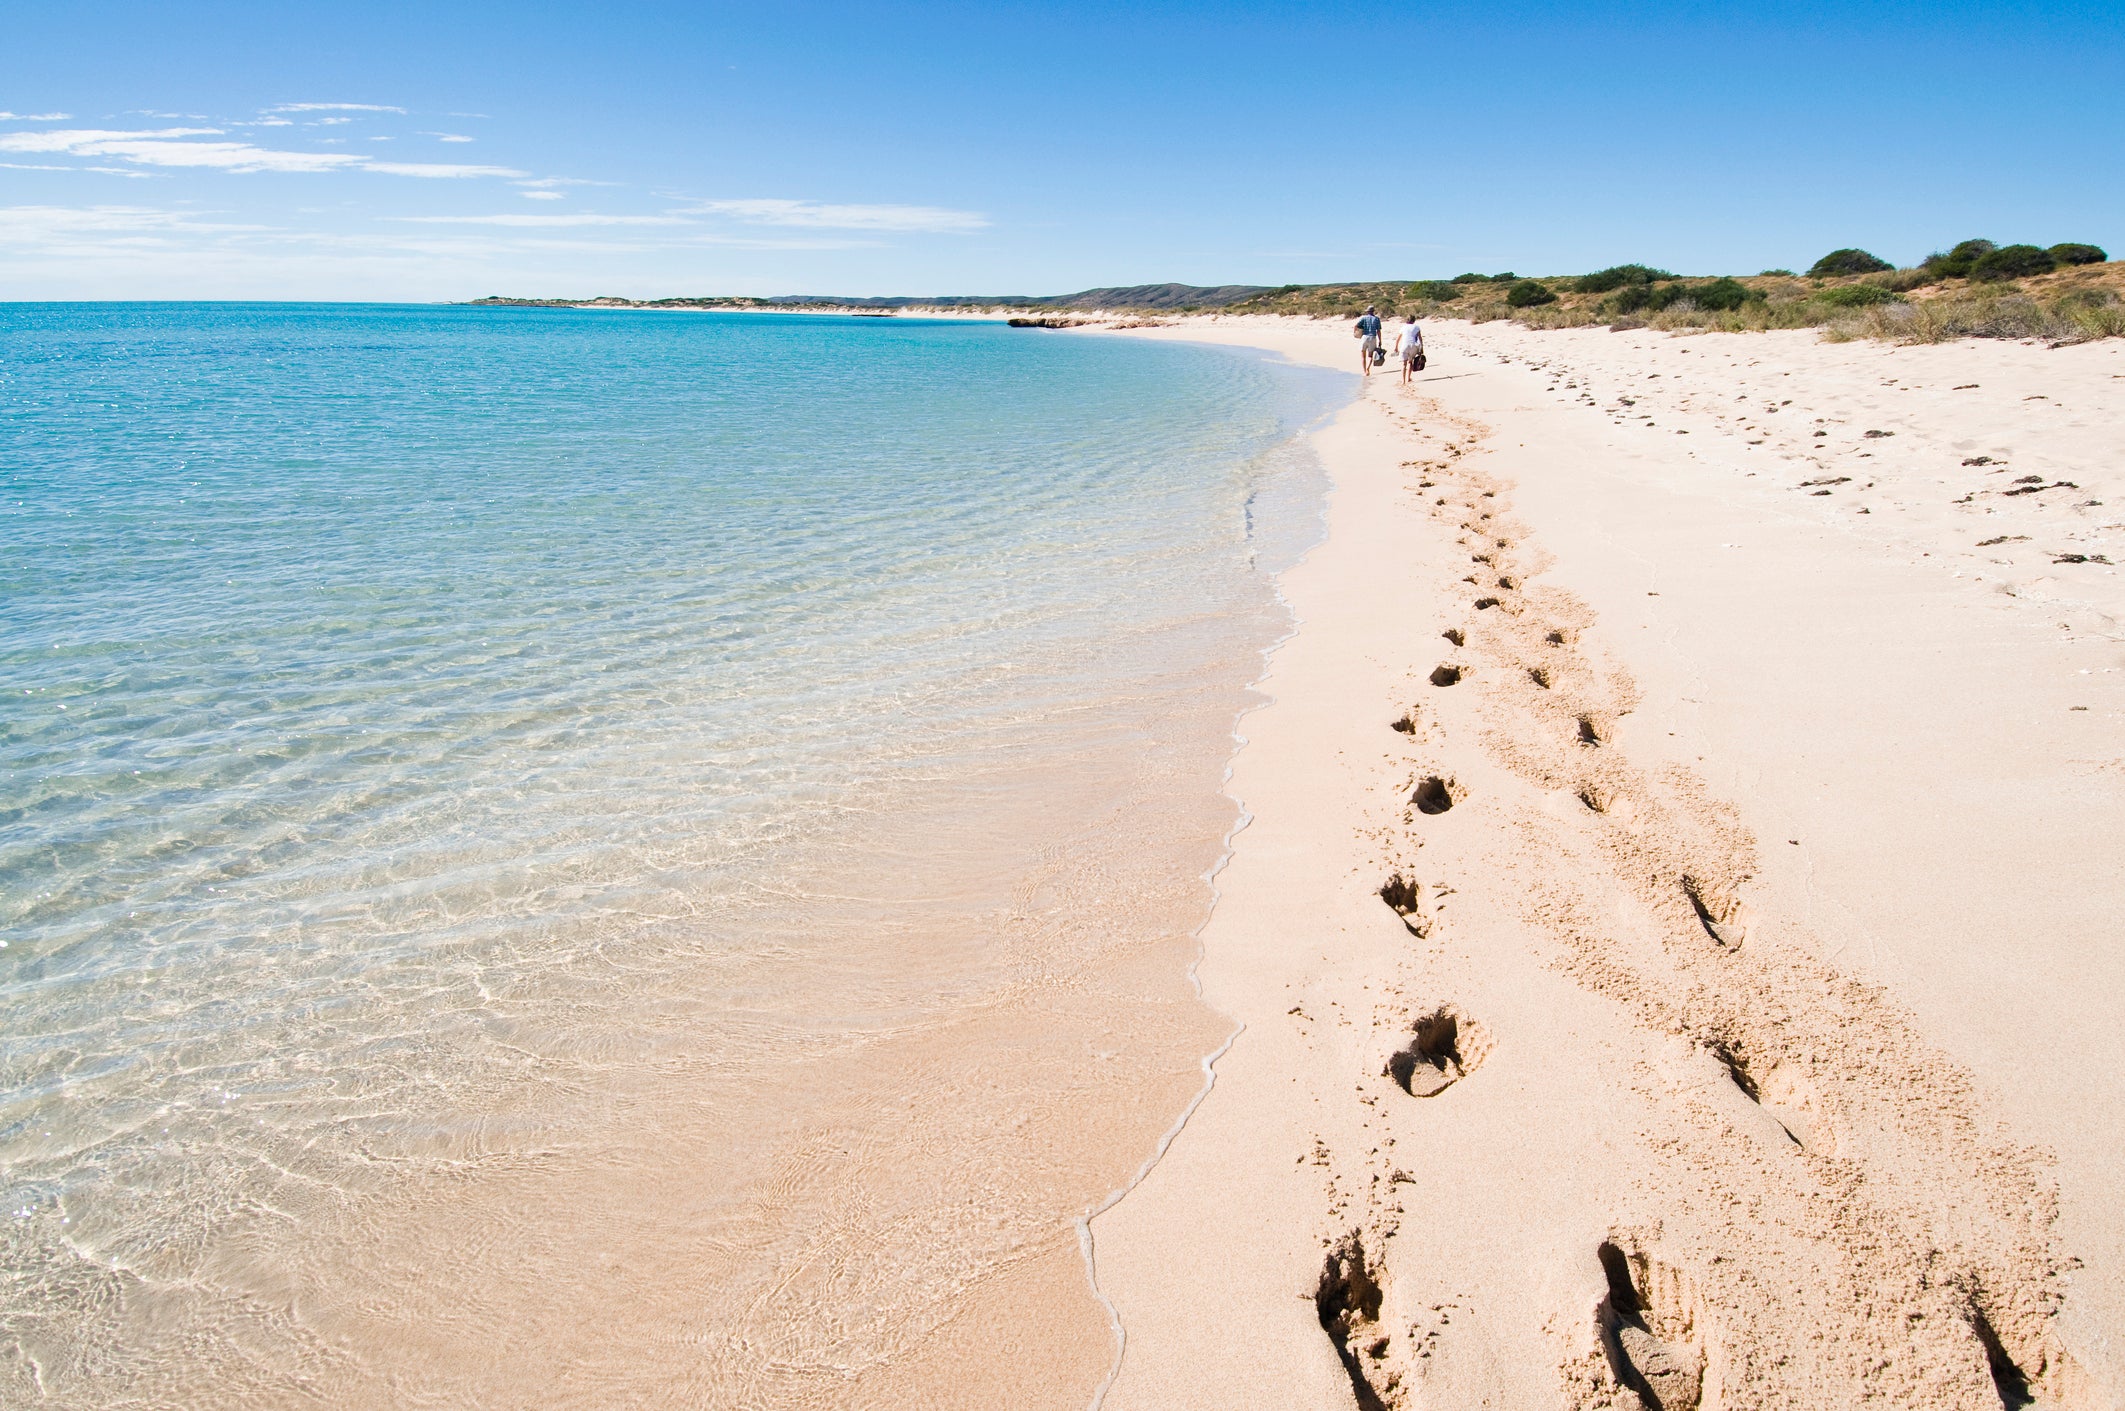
1673	941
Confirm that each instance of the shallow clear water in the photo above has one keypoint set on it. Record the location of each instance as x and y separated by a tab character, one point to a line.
418	724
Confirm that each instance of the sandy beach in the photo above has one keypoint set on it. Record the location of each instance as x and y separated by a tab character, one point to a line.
1671	951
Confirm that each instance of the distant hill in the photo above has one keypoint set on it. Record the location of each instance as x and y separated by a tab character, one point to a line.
1131	296
1158	296
2061	293
1135	296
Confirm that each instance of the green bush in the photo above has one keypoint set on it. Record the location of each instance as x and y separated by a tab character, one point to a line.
1634	297
1471	279
2012	262
1505	278
1957	263
1718	295
1723	295
1847	261
1439	291
1615	277
1527	294
1770	272
2078	254
1856	296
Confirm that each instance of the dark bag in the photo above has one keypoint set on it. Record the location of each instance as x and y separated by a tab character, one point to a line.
1419	363
1379	355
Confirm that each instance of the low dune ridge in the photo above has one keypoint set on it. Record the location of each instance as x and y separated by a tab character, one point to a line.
1670	952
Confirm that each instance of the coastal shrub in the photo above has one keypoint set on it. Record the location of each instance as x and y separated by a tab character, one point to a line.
1856	296
1634	297
1506	278
2078	254
1956	263
1724	295
1439	291
1528	293
1720	295
1772	273
1900	281
1847	261
1985	313
1601	281
2011	262
1470	279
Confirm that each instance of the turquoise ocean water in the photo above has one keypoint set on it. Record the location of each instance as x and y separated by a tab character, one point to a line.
410	718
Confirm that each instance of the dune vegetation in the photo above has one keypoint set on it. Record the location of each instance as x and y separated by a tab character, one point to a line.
2065	293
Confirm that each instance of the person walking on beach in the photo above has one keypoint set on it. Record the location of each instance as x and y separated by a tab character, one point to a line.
1409	347
1368	336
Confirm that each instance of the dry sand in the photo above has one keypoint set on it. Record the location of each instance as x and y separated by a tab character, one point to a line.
1744	1030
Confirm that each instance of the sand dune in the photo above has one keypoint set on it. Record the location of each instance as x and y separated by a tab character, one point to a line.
1674	942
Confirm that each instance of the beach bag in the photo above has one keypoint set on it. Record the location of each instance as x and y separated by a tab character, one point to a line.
1379	355
1419	363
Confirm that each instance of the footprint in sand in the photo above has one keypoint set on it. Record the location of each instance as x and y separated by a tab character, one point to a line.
1406	899
1347	1300
1649	1331
1783	1092
1719	911
1434	795
1440	1052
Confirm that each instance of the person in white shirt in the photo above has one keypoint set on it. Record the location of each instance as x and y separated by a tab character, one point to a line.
1409	347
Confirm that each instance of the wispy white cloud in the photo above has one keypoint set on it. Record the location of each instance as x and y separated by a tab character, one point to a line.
35	117
54	166
113	232
328	122
822	215
332	108
437	169
171	147
519	218
179	147
133	252
451	137
541	195
36	224
70	139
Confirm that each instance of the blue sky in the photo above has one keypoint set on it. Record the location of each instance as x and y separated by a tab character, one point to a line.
448	150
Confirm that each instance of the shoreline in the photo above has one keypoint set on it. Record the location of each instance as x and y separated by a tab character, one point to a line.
1622	1074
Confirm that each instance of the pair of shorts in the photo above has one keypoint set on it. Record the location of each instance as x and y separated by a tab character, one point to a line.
1368	345
1410	356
